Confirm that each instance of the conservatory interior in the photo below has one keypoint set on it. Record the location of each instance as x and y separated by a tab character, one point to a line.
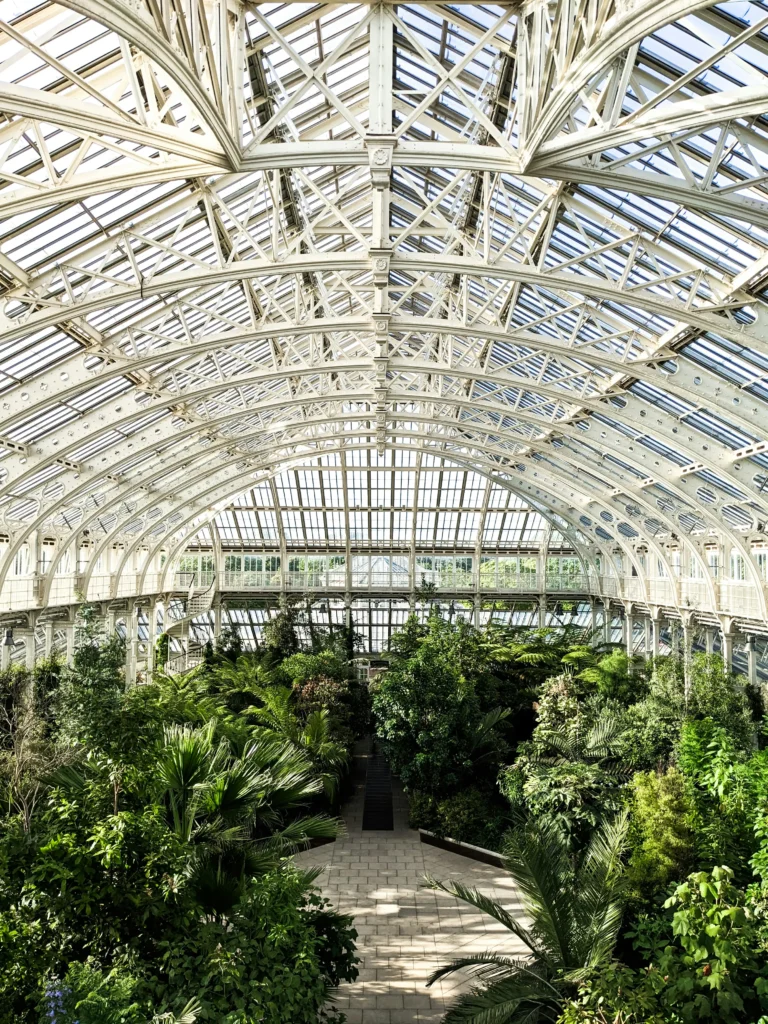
355	315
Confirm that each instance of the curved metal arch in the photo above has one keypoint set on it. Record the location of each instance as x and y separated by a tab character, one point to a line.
342	153
628	26
702	319
585	281
472	466
394	396
224	470
126	21
550	469
73	115
712	388
483	403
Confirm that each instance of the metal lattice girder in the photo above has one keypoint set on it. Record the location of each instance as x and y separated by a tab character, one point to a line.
531	240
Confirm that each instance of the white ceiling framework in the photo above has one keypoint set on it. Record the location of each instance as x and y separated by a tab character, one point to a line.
527	241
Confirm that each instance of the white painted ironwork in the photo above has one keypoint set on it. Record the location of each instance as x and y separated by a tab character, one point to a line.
528	243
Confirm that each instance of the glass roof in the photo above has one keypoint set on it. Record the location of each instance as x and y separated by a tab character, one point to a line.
443	275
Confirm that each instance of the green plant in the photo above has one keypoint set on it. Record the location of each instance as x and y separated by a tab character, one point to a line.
279	637
568	775
273	960
88	995
422	811
708	967
472	816
428	709
575	908
615	994
159	812
661	833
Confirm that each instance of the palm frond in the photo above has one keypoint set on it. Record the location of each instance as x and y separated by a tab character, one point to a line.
540	865
507	1002
487	906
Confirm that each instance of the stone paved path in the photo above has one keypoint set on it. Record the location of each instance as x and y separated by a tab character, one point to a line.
405	930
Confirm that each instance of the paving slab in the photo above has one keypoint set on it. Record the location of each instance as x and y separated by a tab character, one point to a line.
404	930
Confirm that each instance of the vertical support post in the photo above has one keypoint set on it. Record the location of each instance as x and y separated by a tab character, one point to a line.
751	661
151	635
593	621
130	651
69	632
675	637
217	617
727	650
629	630
5	656
687	652
607	620
542	610
710	641
48	649
29	650
348	610
647	637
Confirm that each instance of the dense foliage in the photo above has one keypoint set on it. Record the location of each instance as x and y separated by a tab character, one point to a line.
144	838
631	801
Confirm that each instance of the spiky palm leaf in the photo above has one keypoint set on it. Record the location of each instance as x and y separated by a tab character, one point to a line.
575	912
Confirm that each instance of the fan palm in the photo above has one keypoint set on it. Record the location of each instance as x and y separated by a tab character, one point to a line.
574	908
312	737
236	812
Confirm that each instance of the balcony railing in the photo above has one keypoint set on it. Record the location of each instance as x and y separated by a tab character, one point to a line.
732	597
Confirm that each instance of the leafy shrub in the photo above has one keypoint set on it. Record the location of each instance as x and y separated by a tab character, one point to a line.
703	964
661	833
422	811
87	995
708	968
275	957
470	816
655	722
432	722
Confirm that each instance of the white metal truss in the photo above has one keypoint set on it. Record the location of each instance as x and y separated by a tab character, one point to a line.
526	240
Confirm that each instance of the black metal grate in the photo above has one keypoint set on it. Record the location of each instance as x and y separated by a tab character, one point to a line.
377	808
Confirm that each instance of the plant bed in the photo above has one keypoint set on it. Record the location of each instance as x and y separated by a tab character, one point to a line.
463	849
321	841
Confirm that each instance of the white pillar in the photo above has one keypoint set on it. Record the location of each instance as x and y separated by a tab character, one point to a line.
593	621
130	647
607	621
647	637
29	650
710	641
542	611
48	629
656	635
727	650
70	645
687	652
217	617
5	655
629	631
674	638
751	661
151	635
